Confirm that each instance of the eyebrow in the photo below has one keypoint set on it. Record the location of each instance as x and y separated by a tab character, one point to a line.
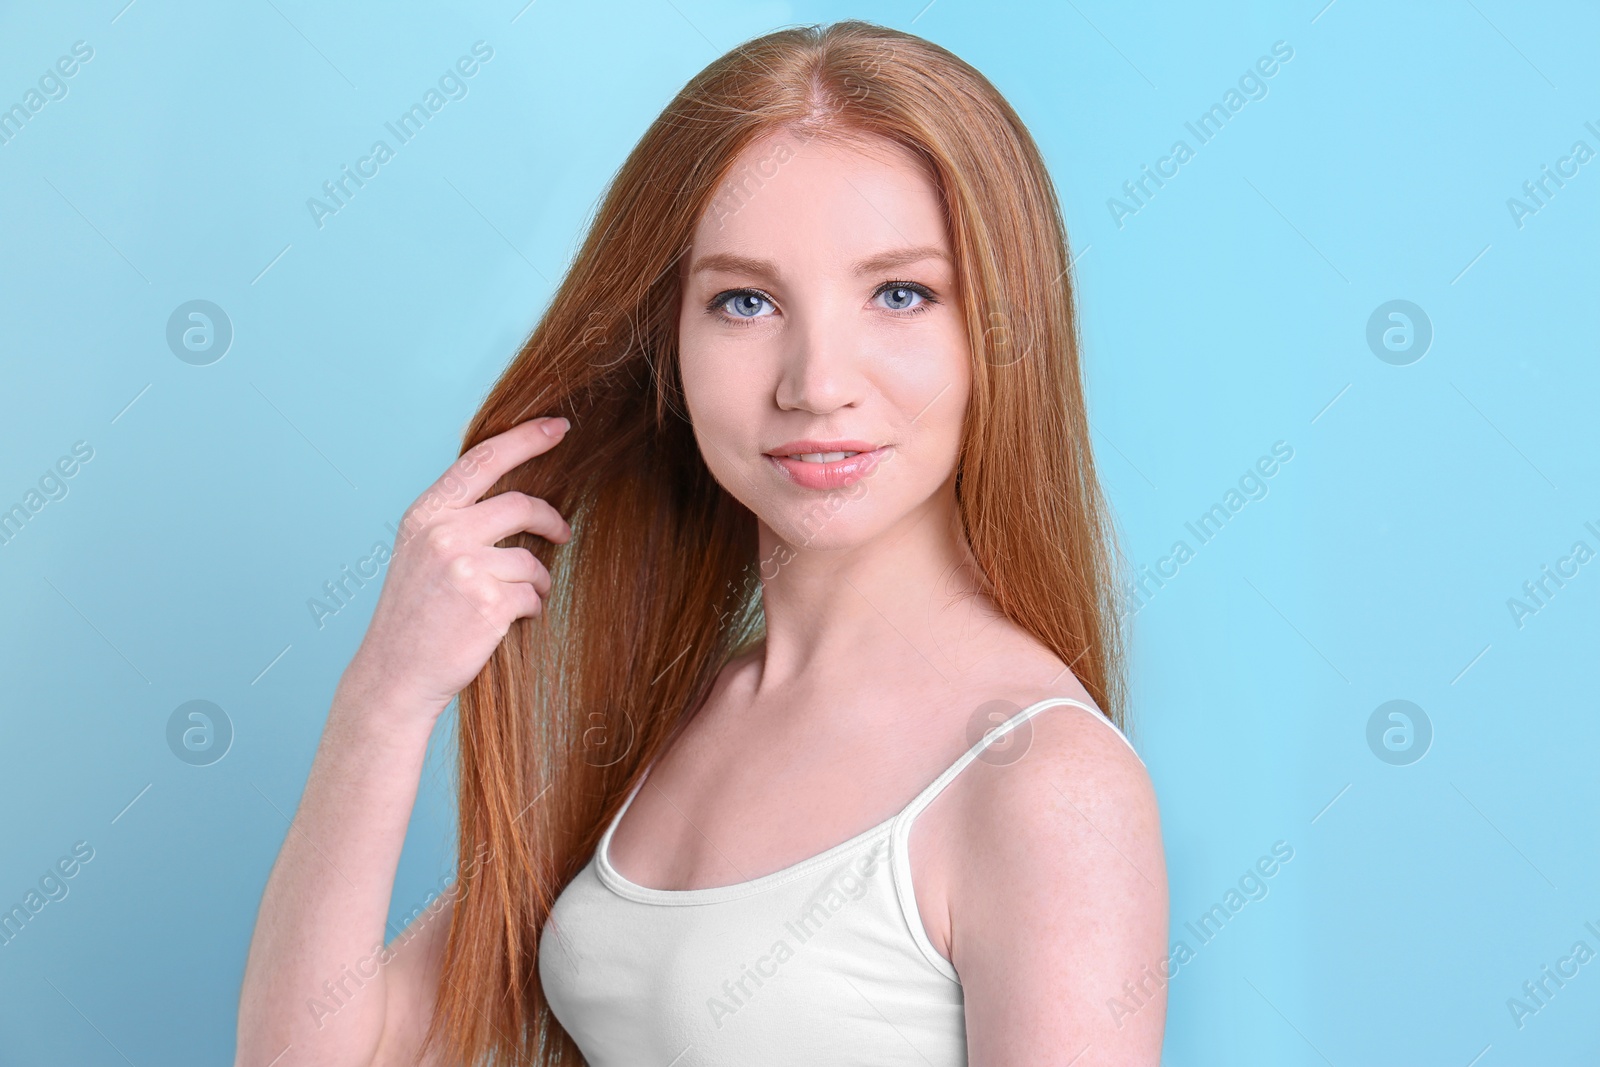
733	263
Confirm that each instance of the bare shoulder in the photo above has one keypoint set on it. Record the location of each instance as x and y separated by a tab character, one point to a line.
1067	759
1059	895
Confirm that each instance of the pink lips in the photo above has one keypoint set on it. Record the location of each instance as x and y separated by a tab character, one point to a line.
835	475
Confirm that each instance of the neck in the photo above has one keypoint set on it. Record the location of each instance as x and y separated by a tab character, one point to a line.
900	609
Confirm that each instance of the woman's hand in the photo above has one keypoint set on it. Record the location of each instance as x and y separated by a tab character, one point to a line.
447	601
450	595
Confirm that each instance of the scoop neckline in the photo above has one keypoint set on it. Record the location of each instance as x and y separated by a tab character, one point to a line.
620	884
624	886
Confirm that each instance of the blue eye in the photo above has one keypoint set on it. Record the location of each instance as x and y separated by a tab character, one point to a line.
744	303
898	296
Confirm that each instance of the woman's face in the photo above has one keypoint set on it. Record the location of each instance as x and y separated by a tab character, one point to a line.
819	316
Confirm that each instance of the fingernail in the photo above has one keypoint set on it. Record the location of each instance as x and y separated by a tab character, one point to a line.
555	427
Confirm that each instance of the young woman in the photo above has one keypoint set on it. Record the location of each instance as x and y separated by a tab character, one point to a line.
778	592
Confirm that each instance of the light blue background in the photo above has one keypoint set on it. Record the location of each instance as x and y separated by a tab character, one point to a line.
1229	313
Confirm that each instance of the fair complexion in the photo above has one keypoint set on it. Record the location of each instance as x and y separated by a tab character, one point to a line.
822	306
1041	879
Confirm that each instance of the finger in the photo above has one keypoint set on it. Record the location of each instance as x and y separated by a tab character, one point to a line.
512	512
524	600
494	601
518	565
470	476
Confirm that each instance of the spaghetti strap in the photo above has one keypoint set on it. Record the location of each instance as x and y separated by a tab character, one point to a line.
937	786
900	832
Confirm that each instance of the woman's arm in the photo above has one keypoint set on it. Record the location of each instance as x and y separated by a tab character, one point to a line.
318	984
414	975
321	924
1059	908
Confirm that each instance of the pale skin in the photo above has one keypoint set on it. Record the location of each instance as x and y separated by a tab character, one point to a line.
1041	879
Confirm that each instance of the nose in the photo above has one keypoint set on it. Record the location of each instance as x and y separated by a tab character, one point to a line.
821	368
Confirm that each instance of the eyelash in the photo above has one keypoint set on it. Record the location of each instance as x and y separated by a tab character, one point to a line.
718	302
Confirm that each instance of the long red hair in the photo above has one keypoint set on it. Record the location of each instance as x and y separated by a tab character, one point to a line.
658	587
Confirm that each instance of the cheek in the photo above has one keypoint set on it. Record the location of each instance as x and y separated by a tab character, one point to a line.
954	365
941	436
930	385
705	391
722	395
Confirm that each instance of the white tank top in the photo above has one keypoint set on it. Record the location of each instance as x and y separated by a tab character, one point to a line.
824	961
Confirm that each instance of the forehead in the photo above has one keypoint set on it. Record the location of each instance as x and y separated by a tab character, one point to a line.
821	200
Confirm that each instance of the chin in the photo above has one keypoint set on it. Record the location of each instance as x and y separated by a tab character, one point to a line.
824	535
836	521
